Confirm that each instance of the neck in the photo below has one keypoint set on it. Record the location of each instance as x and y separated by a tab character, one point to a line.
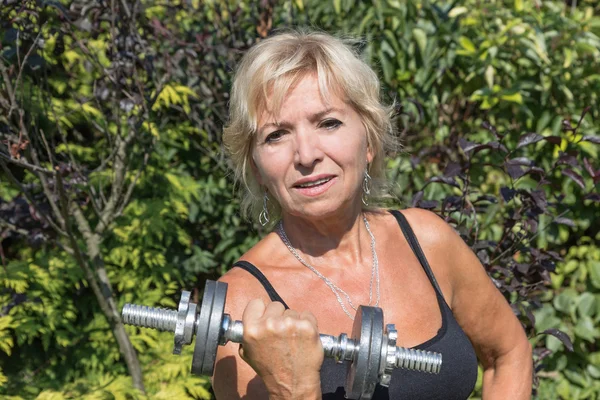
339	241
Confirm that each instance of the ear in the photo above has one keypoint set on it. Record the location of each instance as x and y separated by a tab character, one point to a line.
370	155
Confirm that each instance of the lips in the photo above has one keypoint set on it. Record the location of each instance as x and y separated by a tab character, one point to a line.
313	181
314	186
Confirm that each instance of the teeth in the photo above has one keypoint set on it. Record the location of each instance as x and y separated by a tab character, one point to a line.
314	183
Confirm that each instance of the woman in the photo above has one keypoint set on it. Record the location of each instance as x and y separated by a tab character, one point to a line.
307	137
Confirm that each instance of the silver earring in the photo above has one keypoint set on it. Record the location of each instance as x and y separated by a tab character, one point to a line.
263	217
366	187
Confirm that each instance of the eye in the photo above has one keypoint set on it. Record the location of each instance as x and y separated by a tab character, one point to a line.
330	124
274	136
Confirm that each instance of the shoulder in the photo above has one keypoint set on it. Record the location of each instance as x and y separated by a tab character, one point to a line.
242	285
429	226
433	233
449	257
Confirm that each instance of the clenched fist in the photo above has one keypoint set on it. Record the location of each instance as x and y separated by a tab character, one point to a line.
284	349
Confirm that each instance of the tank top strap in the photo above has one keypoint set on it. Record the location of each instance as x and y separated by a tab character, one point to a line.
251	268
411	238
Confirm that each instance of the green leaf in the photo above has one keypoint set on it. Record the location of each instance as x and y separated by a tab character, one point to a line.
467	45
586	330
594	269
586	305
513	97
337	5
564	389
489	76
565	301
420	38
518	5
456	11
576	377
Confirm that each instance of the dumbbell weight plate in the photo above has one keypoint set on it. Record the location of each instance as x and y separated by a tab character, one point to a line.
363	372
208	325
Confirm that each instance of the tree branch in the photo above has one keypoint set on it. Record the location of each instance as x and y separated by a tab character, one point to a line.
132	186
26	165
120	169
32	203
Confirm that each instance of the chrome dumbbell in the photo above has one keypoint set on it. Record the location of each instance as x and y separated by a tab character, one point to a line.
371	350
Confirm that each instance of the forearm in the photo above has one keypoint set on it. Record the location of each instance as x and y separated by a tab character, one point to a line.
314	394
509	376
308	388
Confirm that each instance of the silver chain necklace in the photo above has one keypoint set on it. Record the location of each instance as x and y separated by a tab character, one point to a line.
334	288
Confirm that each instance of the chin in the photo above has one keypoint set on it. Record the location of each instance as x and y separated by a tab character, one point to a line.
319	210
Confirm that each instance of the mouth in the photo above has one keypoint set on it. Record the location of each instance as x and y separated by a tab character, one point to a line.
314	186
313	183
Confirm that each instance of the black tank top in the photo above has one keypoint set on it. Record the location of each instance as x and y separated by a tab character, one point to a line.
458	373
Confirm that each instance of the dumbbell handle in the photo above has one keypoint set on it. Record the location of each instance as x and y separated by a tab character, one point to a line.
340	348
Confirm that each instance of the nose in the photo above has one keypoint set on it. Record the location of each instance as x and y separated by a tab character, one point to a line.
308	148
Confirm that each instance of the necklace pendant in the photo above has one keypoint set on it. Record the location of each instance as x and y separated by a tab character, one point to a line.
337	291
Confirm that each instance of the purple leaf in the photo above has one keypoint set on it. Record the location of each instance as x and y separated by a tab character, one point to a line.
467	146
443	179
555	255
567	125
592	139
588	167
428	204
414	161
520	161
560	335
452	169
539	196
567	159
497	146
565	221
483	256
523	268
491	128
507	193
575	176
416	198
593	197
529	138
530	317
531	225
514	171
553	139
535	170
549	265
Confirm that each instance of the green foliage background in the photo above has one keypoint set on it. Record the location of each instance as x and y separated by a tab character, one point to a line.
523	66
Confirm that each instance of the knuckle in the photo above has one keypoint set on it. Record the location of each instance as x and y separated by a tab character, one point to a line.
252	332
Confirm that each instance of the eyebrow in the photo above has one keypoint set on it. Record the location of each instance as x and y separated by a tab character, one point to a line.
312	118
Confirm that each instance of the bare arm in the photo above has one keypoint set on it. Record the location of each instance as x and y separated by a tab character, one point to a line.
268	365
480	309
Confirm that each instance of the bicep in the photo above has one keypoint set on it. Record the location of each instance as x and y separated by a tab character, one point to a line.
232	377
478	306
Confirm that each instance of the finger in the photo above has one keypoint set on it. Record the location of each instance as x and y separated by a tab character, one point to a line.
253	311
241	352
291	314
274	309
307	315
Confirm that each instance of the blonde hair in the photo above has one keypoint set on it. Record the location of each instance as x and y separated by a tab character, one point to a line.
276	64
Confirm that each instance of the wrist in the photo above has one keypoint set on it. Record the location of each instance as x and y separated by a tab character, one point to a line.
309	388
308	394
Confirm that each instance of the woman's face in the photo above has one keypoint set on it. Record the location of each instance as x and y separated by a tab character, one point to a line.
312	156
